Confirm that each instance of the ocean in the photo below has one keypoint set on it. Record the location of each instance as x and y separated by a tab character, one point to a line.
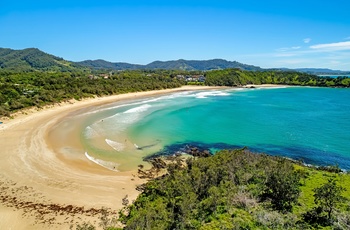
304	123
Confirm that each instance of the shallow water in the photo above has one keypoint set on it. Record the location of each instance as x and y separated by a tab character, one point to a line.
309	124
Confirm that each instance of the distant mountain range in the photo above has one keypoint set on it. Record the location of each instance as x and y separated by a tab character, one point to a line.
168	65
33	59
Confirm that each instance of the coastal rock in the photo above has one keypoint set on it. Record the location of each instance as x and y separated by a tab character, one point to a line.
196	152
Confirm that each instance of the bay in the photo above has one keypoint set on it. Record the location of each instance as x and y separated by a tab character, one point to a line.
302	123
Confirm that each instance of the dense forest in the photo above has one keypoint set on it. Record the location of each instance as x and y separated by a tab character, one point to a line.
25	89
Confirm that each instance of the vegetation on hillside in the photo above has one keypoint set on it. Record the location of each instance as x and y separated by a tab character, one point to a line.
189	65
237	189
31	59
236	77
25	89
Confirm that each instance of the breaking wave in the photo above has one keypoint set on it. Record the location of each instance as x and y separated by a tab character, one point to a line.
139	109
211	94
115	145
106	164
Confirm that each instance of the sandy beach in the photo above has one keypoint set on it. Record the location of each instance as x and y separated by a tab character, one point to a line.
41	190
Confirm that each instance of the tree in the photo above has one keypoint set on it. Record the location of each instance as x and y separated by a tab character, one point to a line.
282	186
328	197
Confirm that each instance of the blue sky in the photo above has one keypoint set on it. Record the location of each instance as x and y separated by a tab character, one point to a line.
268	33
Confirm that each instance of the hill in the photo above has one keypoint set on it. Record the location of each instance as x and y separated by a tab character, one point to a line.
33	59
170	65
102	64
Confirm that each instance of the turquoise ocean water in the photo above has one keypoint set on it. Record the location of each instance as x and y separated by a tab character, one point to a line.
308	124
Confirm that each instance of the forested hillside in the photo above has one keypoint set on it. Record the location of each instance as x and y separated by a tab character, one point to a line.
236	77
106	65
32	59
181	64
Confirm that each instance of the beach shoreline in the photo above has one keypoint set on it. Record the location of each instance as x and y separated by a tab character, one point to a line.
33	174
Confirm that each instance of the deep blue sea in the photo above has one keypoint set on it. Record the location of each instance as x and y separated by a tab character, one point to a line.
303	123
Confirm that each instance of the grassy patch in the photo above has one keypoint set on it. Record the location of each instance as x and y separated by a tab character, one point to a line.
315	179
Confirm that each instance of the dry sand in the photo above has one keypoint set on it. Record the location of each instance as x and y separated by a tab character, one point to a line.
41	190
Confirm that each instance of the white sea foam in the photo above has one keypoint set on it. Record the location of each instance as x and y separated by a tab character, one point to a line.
131	117
269	88
106	109
121	120
106	164
177	95
115	145
118	121
115	124
105	127
90	133
211	94
103	108
149	100
139	109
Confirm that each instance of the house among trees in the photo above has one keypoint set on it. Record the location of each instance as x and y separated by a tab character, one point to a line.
192	78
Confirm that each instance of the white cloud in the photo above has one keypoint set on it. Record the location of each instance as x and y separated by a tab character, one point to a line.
331	55
288	48
307	40
337	46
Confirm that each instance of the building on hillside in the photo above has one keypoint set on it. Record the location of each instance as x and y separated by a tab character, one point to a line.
195	78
